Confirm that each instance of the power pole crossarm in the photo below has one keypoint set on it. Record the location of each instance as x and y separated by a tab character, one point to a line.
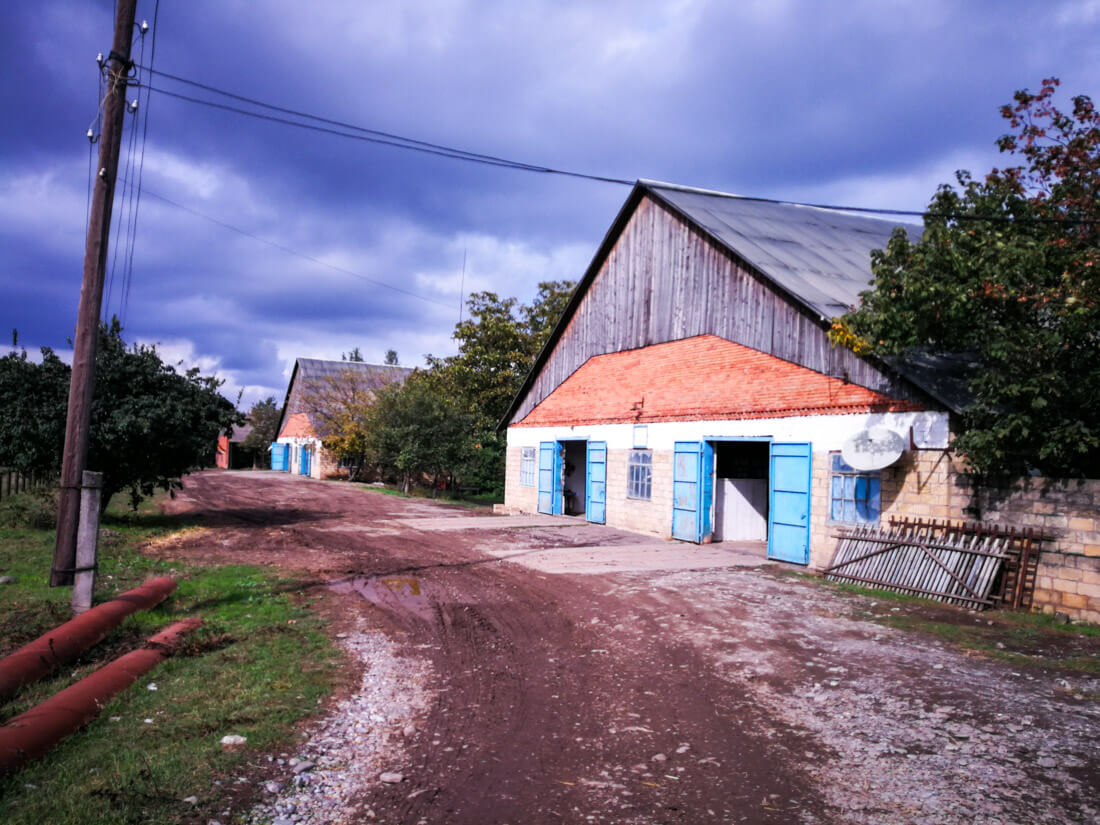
82	384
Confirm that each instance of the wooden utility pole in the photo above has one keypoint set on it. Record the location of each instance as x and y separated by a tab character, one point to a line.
82	384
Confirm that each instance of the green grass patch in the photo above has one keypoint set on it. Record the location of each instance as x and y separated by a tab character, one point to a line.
474	502
259	665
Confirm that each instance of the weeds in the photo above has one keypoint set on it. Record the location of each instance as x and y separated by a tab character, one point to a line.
259	665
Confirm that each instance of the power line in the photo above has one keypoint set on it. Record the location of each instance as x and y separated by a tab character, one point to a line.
372	136
144	111
366	134
291	251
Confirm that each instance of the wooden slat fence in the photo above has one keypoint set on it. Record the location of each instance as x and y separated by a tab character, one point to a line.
13	482
964	563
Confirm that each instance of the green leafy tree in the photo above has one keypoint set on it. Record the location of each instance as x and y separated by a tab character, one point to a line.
150	424
391	358
34	398
418	431
264	419
1008	272
354	355
497	345
339	405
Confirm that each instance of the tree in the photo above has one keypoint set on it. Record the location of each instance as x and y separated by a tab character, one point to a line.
417	430
391	358
34	398
150	424
1008	272
339	405
264	419
355	355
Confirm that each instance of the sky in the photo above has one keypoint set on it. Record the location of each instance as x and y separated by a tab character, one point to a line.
257	243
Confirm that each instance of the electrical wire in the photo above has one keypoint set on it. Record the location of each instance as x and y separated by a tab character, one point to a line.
290	251
354	132
144	111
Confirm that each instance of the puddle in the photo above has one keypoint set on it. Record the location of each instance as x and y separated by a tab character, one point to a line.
396	594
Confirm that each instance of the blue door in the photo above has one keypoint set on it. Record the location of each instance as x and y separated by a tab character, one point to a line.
789	527
550	466
303	465
279	456
692	489
595	487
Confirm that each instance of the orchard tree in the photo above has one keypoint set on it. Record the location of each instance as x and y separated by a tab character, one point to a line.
150	424
1007	272
264	419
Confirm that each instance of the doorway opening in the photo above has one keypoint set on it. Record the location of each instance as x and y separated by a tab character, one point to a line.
574	471
741	485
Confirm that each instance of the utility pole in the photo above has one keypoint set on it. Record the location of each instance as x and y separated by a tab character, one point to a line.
82	384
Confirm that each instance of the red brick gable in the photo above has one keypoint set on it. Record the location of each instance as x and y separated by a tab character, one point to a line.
298	426
699	378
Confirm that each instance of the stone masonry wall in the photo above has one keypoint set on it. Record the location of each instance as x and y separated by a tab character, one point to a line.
518	498
1068	578
922	484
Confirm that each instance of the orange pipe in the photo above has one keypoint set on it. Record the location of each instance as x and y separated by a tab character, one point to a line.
35	733
64	643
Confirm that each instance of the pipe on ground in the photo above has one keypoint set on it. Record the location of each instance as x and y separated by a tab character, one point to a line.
36	732
64	643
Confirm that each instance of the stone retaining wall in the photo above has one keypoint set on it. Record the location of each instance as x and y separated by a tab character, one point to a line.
1068	579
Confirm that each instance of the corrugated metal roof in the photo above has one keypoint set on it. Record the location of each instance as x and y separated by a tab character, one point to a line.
311	369
820	257
374	376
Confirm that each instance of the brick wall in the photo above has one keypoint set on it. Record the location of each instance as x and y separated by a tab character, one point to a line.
1069	565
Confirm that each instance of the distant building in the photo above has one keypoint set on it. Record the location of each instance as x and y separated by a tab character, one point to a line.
231	455
299	447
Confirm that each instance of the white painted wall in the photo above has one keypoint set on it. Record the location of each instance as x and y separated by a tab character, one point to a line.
825	432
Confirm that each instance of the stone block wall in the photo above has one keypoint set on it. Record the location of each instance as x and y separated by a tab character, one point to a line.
922	484
654	516
520	499
1068	512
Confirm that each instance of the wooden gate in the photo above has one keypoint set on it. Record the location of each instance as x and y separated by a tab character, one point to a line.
968	564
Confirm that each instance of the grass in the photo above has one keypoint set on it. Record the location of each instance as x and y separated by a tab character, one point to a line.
1016	637
476	501
259	665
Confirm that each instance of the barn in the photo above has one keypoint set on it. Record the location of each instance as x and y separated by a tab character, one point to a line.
316	387
690	390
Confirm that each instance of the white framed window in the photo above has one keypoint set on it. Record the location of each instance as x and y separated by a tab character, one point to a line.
527	466
639	479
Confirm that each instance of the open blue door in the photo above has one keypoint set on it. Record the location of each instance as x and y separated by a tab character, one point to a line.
279	456
550	498
789	527
595	487
303	465
692	490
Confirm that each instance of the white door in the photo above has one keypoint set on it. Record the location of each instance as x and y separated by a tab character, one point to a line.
742	505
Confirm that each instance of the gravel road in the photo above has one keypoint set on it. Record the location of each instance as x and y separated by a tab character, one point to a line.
533	672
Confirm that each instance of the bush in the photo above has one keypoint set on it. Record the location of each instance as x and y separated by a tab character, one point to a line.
36	509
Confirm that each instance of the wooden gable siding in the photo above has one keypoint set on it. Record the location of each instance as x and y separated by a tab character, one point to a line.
663	280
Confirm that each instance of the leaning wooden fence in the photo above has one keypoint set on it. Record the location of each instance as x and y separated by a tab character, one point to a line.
13	481
964	563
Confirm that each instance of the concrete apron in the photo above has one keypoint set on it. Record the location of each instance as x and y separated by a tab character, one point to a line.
616	556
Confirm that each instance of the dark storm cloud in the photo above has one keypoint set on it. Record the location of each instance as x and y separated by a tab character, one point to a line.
862	102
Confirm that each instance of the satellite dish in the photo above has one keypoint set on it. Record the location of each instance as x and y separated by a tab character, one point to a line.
873	449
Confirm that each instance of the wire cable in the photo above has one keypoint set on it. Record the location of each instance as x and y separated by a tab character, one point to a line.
141	163
354	132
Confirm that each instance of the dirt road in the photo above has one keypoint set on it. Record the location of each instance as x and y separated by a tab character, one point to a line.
581	674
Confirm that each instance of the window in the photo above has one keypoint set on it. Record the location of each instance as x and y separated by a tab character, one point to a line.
854	494
639	483
527	467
